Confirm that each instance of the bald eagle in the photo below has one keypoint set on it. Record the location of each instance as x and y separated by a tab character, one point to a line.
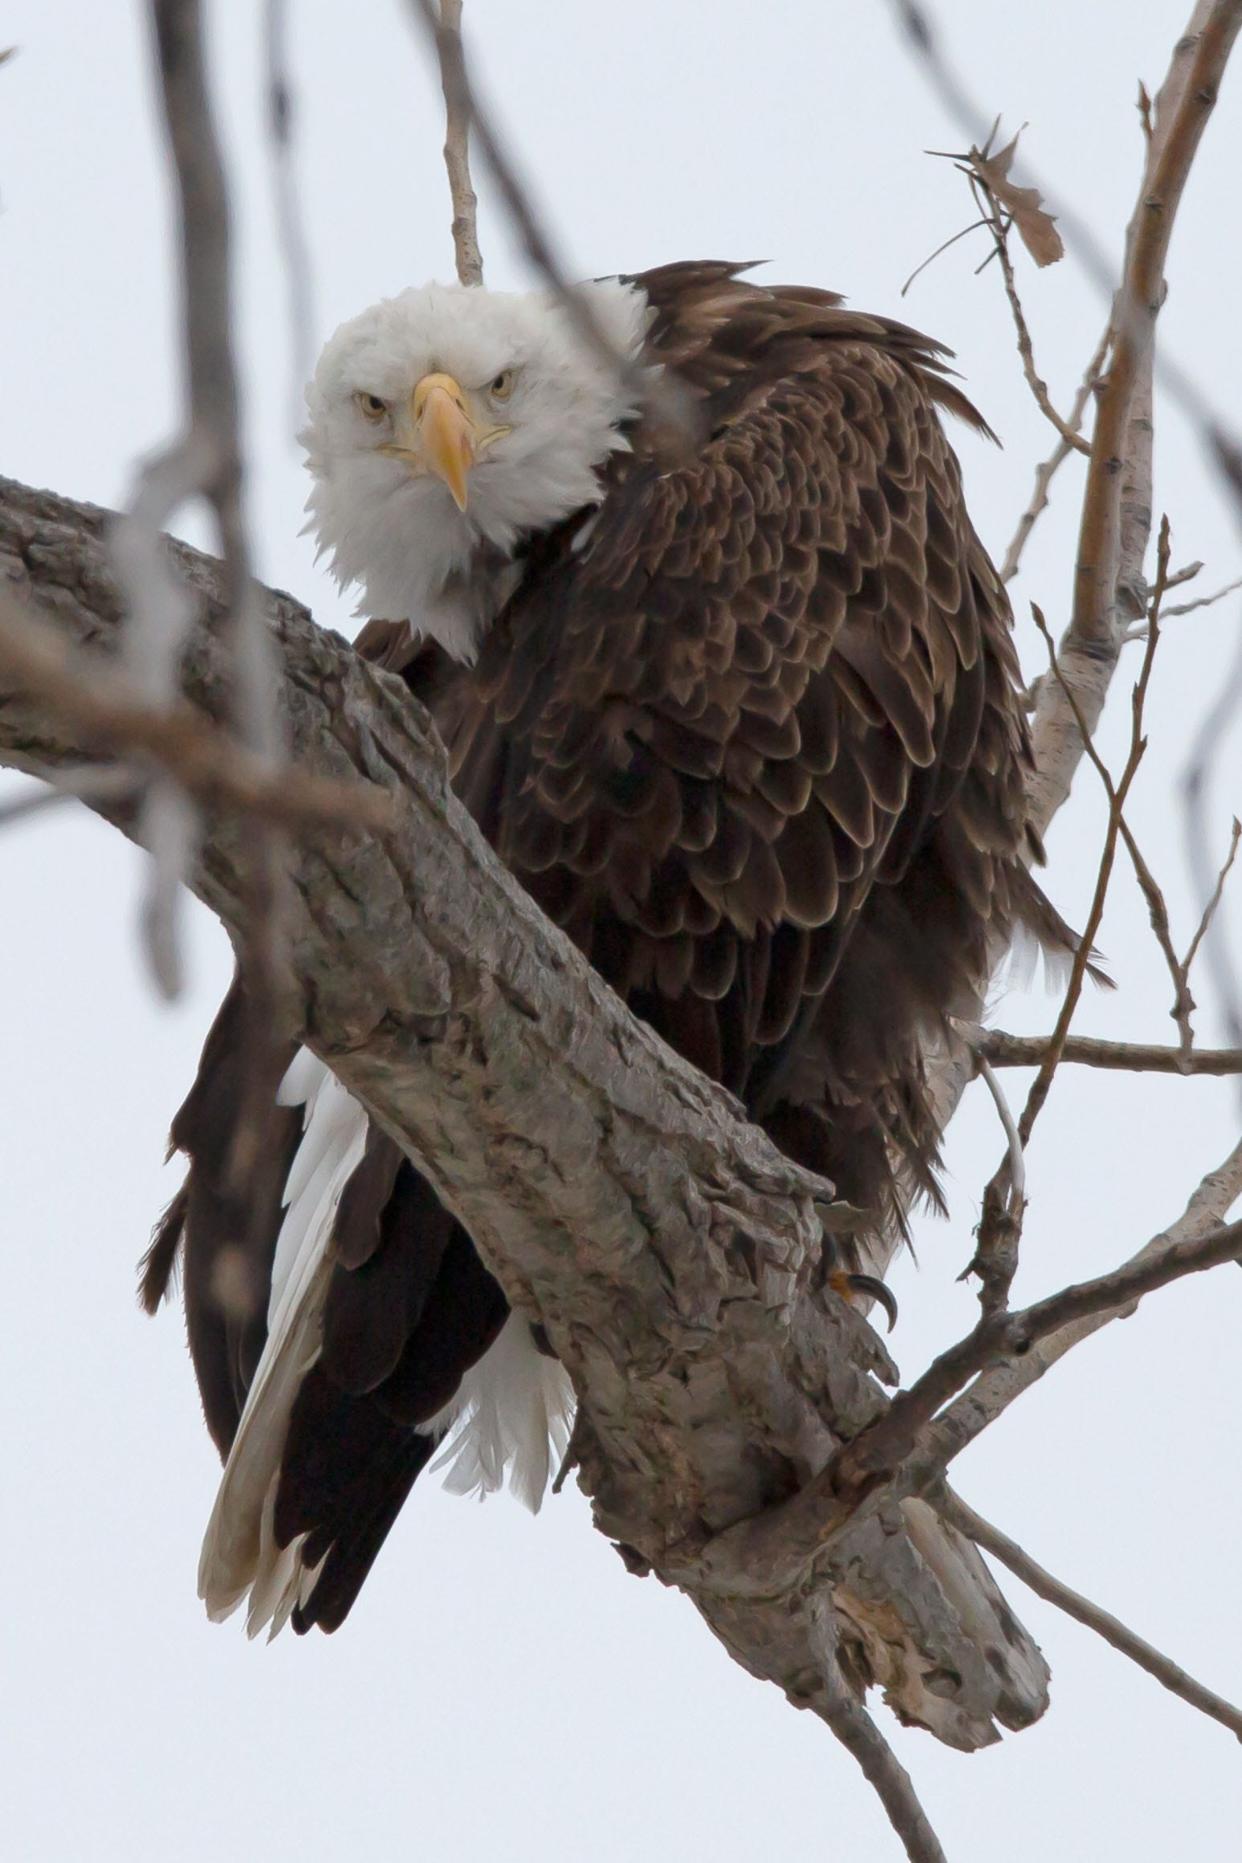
745	722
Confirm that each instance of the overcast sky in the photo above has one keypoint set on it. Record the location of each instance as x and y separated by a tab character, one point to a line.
503	1688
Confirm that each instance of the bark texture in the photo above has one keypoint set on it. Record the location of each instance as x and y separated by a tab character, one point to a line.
664	1243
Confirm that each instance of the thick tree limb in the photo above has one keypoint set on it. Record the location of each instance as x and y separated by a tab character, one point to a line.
668	1248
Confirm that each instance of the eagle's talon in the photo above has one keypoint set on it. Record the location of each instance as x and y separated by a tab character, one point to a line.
844	1283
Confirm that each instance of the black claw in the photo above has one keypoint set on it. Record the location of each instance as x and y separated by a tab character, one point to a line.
870	1284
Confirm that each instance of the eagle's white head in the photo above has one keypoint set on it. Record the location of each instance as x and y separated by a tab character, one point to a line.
446	425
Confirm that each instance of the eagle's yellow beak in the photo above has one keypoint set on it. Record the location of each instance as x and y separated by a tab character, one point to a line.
446	433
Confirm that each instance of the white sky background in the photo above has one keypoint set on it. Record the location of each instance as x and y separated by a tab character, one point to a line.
503	1688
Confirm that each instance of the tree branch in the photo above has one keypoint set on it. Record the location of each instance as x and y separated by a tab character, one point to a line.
994	220
655	390
1004	1050
951	1507
1116	515
1067	708
457	144
909	1447
668	1248
860	1736
101	707
1045	473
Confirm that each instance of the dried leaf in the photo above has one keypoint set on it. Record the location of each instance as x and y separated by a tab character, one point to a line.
1035	224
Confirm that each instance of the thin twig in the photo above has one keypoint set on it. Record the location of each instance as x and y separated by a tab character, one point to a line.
1195	786
457	145
1004	1050
1117	794
1209	911
995	1260
1186	573
1157	907
94	696
996	224
292	232
1204	601
1045	473
1169	1674
88	783
657	392
1017	1166
941	248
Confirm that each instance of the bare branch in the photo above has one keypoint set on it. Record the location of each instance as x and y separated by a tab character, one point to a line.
1204	601
205	459
656	392
1191	570
1194	801
1004	1050
860	1736
87	783
1209	911
907	1449
996	1255
213	433
1116	512
952	1508
1045	473
1114	531
294	249
1116	518
998	226
1010	1336
1000	1385
95	700
1157	909
457	144
1017	1167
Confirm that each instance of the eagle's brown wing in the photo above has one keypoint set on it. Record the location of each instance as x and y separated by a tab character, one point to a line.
750	731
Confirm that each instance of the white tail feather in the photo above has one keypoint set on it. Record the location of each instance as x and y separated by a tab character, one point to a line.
511	1412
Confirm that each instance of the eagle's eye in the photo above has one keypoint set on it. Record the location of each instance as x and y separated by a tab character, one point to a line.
371	405
501	386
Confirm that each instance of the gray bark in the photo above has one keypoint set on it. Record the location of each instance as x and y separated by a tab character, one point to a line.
664	1243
